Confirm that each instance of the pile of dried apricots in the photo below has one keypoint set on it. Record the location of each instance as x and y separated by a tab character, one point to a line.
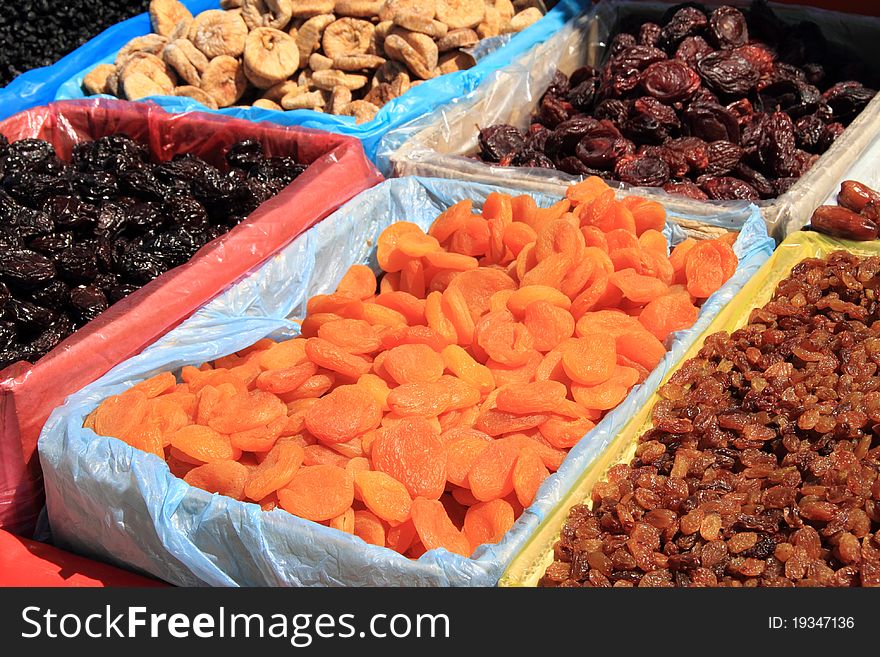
425	409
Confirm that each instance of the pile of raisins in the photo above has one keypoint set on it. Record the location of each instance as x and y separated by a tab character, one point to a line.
77	237
719	105
763	464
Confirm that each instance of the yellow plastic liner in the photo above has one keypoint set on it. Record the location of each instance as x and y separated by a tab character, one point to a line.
527	567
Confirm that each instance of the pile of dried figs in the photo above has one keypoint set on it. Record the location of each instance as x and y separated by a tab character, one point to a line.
763	464
346	57
710	105
78	236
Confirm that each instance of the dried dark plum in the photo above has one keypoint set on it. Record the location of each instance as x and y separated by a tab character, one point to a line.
88	302
564	139
96	187
670	81
139	267
115	153
561	84
650	121
575	167
829	135
649	34
686	189
793	97
533	159
244	154
54	295
687	21
711	122
500	141
78	264
727	27
30	315
601	152
583	96
612	109
756	179
26	154
174	246
146	217
536	139
847	99
759	56
726	188
777	144
119	292
642	171
726	72
675	160
184	169
808	132
189	213
621	42
142	183
554	111
69	213
692	49
636	57
33	188
723	157
25	269
112	219
30	223
694	151
8	335
51	243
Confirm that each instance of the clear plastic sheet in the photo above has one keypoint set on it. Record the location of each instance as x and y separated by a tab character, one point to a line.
417	102
109	501
443	143
529	565
28	392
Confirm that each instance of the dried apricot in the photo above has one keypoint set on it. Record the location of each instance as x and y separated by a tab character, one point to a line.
487	522
412	453
221	477
669	313
435	529
329	356
532	397
590	359
202	444
412	363
317	492
344	413
369	528
491	474
703	270
276	470
548	324
384	496
359	282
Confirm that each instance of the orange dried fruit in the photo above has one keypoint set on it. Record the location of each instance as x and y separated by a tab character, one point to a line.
648	215
590	359
412	453
412	363
637	287
435	529
491	474
472	239
369	528
246	411
423	398
503	339
586	190
411	307
329	356
202	444
358	282
317	492
487	522
679	255
509	375
322	455
355	336
456	309
462	364
390	257
703	270
608	394
516	236
156	385
565	433
641	347
461	454
548	324
478	285
669	313
522	298
384	496
345	413
532	397
451	220
222	477
344	522
276	470
286	380
258	439
119	414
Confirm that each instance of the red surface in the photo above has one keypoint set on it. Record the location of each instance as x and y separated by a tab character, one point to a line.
29	563
28	393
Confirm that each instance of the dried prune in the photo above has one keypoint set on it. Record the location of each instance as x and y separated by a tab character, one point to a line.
829	135
612	109
728	28
649	34
808	132
686	189
726	72
723	156
692	49
776	148
636	57
565	137
711	122
88	302
670	81
244	154
687	21
583	96
78	264
25	269
650	121
727	188
642	170
846	99
69	213
694	151
554	111
756	179
621	42
675	159
498	142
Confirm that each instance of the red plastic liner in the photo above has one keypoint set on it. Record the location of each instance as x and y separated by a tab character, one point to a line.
338	171
29	563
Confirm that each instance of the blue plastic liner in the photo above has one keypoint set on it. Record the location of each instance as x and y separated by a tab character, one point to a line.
115	503
415	103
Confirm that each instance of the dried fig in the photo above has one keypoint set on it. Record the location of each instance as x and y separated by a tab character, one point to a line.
491	24
278	91
362	110
151	66
397	48
461	13
340	99
358	8
152	44
451	62
347	36
166	14
267	13
216	32
224	80
265	103
524	19
303	100
458	38
95	81
317	62
187	61
308	37
357	62
196	94
329	80
138	85
309	8
270	56
419	23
